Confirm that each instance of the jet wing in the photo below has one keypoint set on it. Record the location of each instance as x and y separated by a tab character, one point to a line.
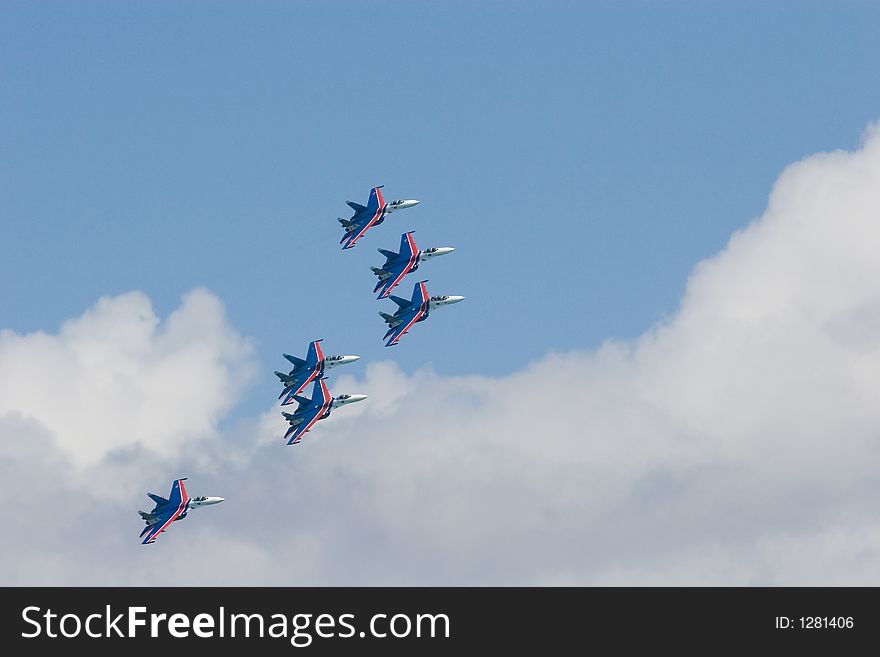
285	390
178	501
320	405
297	362
408	319
404	264
296	388
351	238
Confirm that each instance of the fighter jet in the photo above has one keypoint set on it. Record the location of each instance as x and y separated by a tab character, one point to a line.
311	410
367	216
306	371
398	265
410	312
174	508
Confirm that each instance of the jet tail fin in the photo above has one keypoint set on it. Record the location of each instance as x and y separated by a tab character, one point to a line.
158	499
403	303
302	400
376	200
345	222
408	245
316	354
357	207
391	255
389	319
420	293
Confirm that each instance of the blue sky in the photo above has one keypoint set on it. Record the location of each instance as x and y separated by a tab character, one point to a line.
581	157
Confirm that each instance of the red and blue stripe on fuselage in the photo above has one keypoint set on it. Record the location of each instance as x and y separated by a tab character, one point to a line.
373	216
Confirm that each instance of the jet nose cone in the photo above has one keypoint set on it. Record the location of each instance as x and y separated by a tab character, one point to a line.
357	398
408	203
350	359
455	299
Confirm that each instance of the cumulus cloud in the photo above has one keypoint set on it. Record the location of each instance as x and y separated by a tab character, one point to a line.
118	378
737	442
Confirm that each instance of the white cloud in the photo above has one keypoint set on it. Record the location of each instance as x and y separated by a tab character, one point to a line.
736	443
116	377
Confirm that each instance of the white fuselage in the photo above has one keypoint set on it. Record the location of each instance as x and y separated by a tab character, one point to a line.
198	502
342	400
445	300
391	206
332	361
427	254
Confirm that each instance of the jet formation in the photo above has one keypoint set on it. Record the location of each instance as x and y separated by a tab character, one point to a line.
409	311
314	367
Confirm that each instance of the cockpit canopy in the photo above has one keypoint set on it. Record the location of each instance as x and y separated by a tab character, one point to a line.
201	498
343	396
431	250
397	202
442	297
333	358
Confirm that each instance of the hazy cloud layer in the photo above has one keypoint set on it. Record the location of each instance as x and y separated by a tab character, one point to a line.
736	443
